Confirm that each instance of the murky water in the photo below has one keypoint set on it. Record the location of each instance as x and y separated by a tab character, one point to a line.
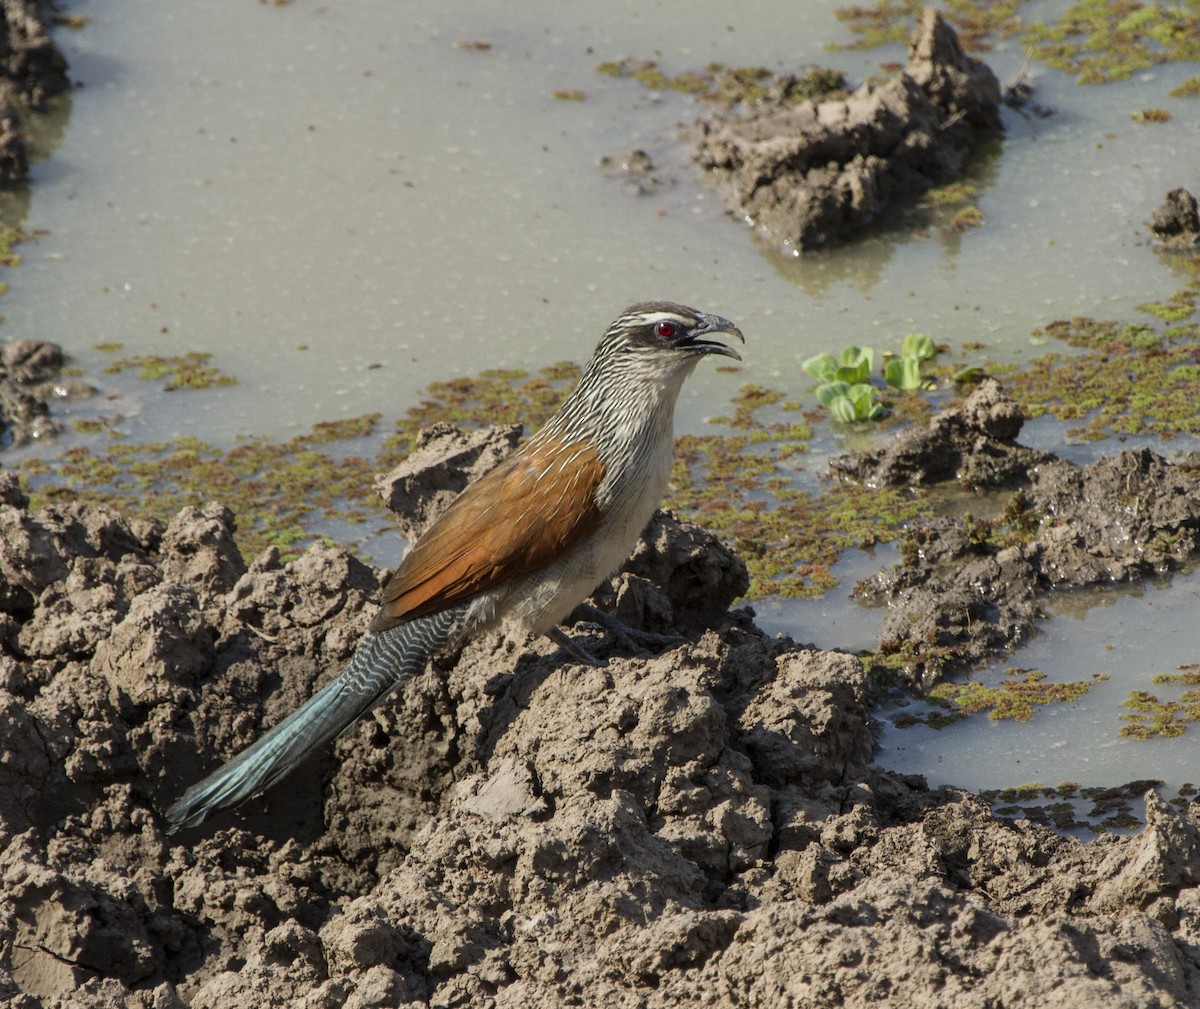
341	203
1128	634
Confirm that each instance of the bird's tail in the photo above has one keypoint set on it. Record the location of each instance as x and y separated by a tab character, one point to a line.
383	662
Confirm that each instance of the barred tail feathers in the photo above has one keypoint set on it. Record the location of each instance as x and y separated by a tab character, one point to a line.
384	660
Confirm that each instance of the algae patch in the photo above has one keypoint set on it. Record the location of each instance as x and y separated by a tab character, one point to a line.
1015	697
1094	40
1148	717
181	371
1070	806
1126	378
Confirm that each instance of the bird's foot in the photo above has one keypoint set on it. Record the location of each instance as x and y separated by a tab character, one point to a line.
568	644
617	635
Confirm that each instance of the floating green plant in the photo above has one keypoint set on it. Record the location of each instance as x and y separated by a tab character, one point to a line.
183	371
1148	717
1188	89
849	403
724	85
1071	806
11	237
1015	697
1132	378
968	217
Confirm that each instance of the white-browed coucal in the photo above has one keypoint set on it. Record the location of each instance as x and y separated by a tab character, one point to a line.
524	544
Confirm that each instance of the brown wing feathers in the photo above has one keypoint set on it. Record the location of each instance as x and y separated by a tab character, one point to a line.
512	521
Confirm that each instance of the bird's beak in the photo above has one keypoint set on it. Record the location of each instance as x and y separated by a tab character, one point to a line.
712	325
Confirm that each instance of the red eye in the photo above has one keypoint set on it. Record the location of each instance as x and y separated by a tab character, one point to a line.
665	330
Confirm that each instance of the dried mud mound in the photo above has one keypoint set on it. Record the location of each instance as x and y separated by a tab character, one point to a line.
813	173
699	828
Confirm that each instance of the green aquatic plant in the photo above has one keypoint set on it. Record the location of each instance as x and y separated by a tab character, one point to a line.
904	372
849	403
722	85
182	371
852	365
1148	717
845	384
1014	697
1065	806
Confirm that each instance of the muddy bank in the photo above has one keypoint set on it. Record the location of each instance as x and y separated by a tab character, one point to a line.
813	173
700	827
32	70
969	588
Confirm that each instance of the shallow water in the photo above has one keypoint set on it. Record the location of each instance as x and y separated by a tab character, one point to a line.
247	179
1129	634
251	180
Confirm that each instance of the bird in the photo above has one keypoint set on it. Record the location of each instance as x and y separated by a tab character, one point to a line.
523	545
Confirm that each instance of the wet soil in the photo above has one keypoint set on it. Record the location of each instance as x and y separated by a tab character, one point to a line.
31	379
1176	223
969	589
32	70
701	827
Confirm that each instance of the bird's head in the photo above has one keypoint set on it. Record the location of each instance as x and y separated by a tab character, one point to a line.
666	332
632	382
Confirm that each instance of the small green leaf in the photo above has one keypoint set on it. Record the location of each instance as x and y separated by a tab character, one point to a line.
823	367
918	346
830	391
843	410
903	373
863	398
859	361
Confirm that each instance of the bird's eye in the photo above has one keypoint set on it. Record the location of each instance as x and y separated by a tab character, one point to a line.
665	329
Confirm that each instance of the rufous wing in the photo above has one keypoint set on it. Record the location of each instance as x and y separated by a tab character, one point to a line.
512	521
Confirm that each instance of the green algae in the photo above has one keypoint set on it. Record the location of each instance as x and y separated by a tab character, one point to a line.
281	489
722	85
11	237
182	371
1148	717
1070	806
968	217
1188	89
1014	698
1129	377
1096	41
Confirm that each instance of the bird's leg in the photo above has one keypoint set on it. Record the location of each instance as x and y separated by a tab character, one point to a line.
629	639
564	641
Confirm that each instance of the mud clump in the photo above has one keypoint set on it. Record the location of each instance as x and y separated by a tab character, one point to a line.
30	379
812	173
702	826
1176	224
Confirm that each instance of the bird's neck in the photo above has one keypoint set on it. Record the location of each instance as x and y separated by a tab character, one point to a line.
628	418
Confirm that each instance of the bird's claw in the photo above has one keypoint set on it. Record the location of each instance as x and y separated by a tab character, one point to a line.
617	634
